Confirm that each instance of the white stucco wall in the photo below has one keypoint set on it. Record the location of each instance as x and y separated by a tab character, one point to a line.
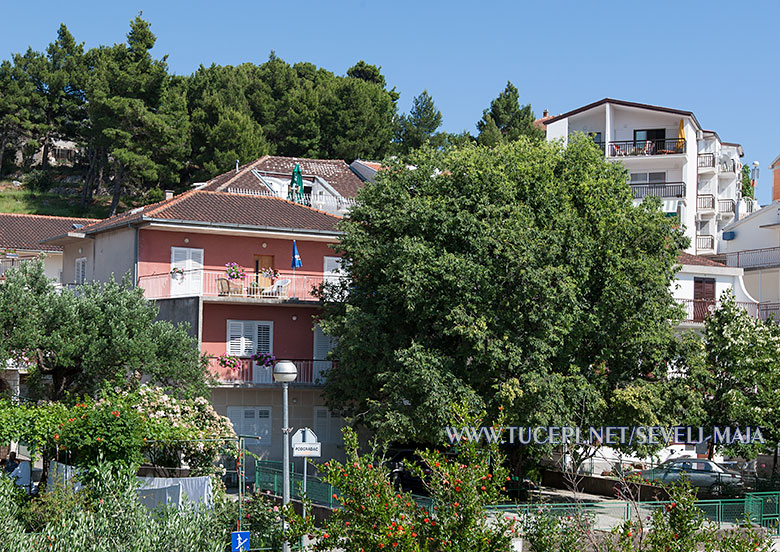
726	278
559	130
114	254
73	251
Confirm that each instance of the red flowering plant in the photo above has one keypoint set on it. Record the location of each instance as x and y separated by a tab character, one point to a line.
374	515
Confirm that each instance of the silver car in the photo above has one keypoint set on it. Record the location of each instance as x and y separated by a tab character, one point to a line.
706	475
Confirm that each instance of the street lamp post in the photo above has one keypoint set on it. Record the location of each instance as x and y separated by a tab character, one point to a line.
284	373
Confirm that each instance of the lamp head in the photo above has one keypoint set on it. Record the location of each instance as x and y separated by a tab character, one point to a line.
285	371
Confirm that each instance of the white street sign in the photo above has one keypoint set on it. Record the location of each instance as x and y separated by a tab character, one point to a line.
307	450
303	435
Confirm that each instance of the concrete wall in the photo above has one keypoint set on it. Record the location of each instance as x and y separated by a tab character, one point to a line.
764	284
181	309
52	266
559	130
114	254
73	251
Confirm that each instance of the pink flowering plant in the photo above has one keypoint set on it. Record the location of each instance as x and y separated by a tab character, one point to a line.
234	272
229	361
268	272
266	360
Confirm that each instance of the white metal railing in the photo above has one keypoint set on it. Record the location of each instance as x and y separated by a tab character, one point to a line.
705	242
696	310
215	283
326	203
751	258
310	372
705	201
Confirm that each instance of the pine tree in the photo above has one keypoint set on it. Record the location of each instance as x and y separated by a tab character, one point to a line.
419	126
510	118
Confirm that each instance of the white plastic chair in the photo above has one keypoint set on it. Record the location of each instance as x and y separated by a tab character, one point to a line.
279	289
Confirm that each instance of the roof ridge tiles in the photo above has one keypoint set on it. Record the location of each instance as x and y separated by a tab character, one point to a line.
241	170
47	216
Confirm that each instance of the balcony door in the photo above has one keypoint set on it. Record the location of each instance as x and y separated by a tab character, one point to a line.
703	298
261	262
651	139
188	280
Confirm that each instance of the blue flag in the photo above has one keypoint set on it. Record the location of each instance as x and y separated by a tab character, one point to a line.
296	257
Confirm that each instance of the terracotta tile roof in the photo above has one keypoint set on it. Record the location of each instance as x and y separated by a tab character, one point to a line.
542	122
205	207
698	260
333	171
26	231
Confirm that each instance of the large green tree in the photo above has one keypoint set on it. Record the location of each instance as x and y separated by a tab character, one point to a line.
506	120
58	78
520	276
105	334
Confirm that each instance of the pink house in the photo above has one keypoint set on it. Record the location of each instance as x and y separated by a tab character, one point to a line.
178	251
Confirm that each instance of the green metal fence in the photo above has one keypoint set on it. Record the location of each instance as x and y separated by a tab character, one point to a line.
760	509
269	477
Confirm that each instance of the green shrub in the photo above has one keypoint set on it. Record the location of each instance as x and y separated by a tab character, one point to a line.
38	181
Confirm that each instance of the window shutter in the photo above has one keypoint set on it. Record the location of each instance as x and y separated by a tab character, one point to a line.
264	426
264	336
323	344
321	424
331	265
236	416
235	344
196	271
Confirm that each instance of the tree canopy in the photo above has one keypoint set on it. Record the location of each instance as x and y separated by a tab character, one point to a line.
105	334
419	126
520	276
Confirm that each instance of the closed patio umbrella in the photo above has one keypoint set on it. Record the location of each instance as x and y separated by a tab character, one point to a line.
681	137
296	185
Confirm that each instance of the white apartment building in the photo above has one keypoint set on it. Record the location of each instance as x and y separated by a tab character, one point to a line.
669	155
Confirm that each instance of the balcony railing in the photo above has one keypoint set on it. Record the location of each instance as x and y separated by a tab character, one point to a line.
646	147
5	264
660	189
697	310
705	242
706	161
705	201
214	283
753	258
770	311
726	206
728	166
310	372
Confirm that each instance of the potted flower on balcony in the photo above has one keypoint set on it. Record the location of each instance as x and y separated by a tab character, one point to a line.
268	272
266	360
177	273
229	361
234	272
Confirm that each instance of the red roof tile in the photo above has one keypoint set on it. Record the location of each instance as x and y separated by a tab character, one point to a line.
26	231
200	206
698	260
333	171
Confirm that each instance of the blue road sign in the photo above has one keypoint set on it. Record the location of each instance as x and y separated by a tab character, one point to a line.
240	541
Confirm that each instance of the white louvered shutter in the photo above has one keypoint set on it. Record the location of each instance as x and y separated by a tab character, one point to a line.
179	260
264	338
236	416
195	274
236	341
264	426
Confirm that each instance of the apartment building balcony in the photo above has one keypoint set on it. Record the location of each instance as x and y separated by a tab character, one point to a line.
728	167
660	189
705	204
311	373
705	244
770	311
697	310
214	286
754	258
635	148
727	208
706	162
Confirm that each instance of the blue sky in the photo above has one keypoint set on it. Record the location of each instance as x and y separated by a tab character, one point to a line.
717	59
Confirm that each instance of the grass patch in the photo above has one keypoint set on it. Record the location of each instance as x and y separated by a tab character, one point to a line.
19	200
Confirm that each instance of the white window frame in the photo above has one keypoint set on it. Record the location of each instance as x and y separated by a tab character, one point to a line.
237	413
80	276
191	282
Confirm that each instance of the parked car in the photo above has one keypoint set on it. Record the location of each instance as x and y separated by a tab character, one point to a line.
705	475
